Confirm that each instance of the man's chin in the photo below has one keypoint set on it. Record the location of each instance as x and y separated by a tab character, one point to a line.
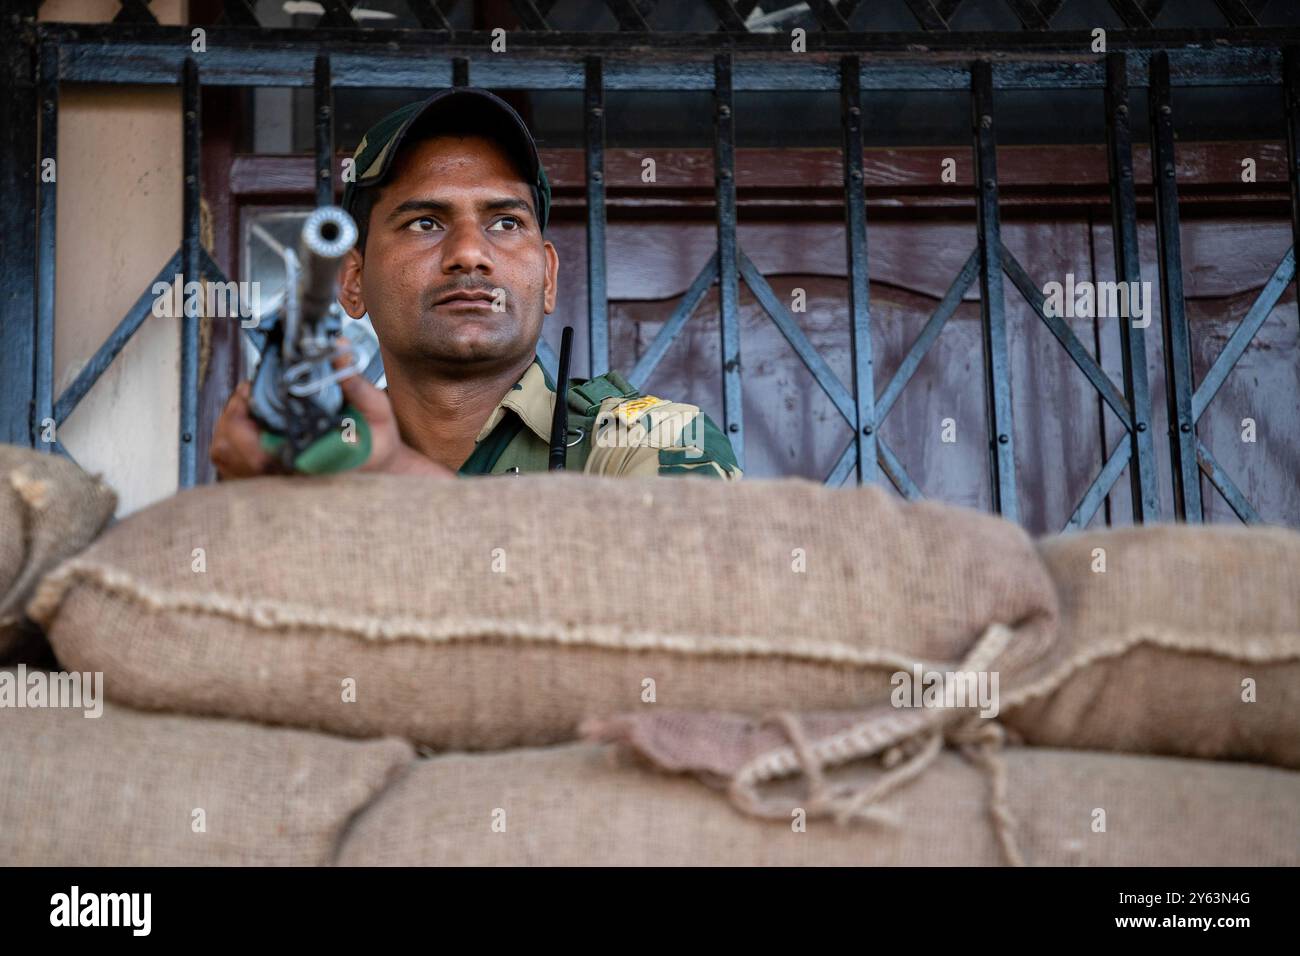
476	353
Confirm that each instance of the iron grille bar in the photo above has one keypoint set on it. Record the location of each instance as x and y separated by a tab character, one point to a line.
729	20
1128	270
731	31
1225	485
144	52
898	474
59	449
1092	498
646	365
1133	13
628	15
210	269
821	372
1049	9
338	14
828	17
845	465
889	463
1237	13
240	13
1033	15
324	101
1065	335
942	313
247	56
1241	336
863	420
18	239
947	8
1177	339
728	288
597	293
429	14
190	249
927	16
43	405
71	396
530	18
997	372
1291	101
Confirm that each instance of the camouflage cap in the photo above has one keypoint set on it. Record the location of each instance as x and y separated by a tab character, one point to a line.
374	156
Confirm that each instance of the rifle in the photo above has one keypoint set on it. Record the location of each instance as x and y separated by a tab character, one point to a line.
296	398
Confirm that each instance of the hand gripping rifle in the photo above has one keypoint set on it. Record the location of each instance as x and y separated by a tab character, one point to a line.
296	396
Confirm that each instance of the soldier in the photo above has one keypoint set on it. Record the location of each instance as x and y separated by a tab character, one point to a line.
451	202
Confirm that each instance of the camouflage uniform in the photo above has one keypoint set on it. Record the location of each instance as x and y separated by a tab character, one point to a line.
613	430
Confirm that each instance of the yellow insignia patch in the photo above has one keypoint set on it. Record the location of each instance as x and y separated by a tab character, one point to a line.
634	408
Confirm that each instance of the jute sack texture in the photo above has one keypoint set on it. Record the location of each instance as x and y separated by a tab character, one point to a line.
583	804
1175	640
122	789
1187	643
487	613
49	510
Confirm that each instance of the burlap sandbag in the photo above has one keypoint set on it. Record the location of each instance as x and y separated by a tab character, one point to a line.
584	804
122	789
49	509
498	612
1135	670
1157	650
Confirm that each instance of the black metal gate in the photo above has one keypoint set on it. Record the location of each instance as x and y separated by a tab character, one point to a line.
135	49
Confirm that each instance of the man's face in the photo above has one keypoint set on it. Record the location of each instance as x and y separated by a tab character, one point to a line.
454	216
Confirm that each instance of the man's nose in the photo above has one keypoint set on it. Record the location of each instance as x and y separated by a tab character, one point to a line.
465	249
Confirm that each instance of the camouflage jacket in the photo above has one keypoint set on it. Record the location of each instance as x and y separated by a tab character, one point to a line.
613	430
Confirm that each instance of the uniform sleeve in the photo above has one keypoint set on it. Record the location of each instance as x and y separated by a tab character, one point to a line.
668	439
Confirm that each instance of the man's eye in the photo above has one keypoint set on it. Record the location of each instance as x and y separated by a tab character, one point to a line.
517	223
419	225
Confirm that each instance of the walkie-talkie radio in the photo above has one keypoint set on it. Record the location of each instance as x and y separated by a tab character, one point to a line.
560	418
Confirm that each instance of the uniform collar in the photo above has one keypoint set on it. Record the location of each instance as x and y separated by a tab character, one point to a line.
532	398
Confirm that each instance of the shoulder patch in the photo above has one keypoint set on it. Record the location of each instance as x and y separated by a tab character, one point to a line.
632	409
648	422
644	436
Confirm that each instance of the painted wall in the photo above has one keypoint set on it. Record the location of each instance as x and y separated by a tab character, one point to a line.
119	221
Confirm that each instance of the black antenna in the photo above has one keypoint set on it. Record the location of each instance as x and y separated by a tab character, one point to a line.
560	421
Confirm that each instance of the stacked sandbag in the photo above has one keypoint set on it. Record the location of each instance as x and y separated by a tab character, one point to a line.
586	804
1174	639
49	510
490	614
123	788
745	636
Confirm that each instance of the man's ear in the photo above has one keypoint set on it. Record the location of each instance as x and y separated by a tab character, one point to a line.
552	277
350	285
